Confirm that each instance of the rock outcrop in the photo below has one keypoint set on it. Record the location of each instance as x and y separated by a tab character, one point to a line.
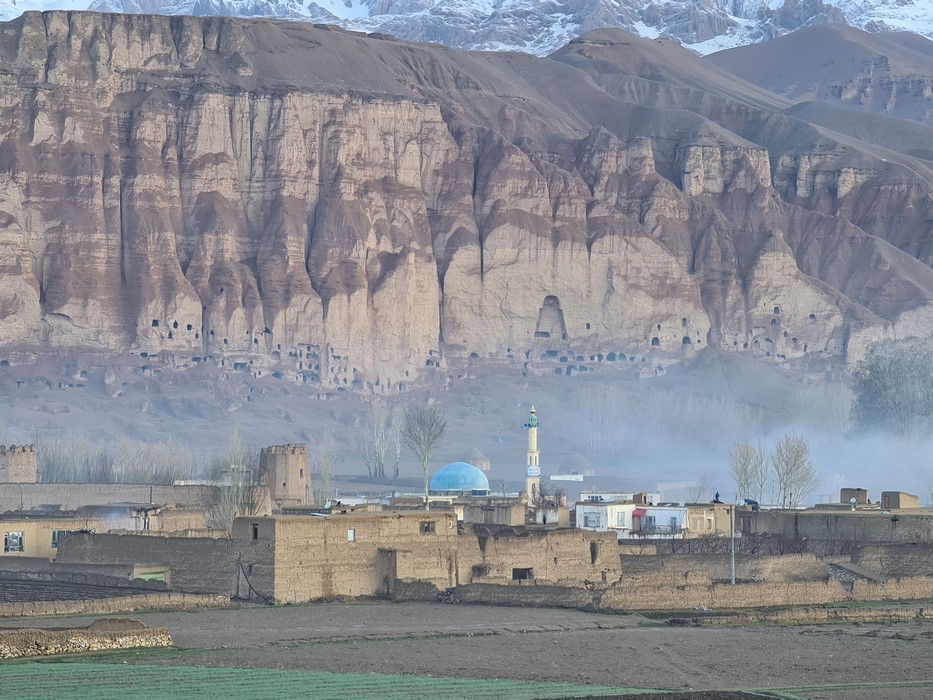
354	210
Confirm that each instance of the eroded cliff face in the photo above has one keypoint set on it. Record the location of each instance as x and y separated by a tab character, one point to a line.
351	211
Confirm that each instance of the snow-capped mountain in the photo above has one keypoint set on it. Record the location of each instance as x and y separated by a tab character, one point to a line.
541	26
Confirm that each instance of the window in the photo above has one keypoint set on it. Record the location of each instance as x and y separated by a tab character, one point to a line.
649	520
255	528
351	535
523	574
56	537
591	520
673	522
13	541
620	519
427	527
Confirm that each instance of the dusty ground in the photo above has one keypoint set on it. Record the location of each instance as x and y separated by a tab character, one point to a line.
830	661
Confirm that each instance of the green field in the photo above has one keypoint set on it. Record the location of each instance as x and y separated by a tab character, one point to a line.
106	681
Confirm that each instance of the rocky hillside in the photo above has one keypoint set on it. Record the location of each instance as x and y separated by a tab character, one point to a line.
889	74
355	211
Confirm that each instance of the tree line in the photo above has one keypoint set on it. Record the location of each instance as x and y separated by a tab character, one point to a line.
894	388
785	476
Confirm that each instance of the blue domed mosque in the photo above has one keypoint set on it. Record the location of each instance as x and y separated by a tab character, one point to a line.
463	479
459	479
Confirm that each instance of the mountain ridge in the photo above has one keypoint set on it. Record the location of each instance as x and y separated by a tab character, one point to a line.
540	27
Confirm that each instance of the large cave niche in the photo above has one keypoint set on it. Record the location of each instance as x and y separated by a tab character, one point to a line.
551	320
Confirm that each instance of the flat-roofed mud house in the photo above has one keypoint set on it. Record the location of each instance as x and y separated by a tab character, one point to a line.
295	559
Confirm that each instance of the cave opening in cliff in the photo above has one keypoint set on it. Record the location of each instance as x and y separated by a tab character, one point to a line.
551	320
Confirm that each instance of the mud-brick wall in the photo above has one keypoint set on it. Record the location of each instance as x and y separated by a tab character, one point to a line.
906	588
896	560
669	591
565	556
100	636
852	527
18	464
659	591
254	542
196	564
789	567
524	595
18	497
758	595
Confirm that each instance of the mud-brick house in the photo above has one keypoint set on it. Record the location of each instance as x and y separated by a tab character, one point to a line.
26	535
295	559
532	555
709	519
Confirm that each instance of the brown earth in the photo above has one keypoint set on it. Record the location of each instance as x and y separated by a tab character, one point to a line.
805	661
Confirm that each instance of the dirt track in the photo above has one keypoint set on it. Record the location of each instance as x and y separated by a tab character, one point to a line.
554	645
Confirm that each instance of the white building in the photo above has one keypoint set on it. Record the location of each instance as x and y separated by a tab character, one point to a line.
631	520
605	516
659	522
620	496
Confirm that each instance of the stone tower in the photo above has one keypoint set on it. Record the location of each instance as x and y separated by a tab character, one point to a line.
533	473
286	472
18	464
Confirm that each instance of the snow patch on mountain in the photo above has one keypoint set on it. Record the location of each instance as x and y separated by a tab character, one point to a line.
541	26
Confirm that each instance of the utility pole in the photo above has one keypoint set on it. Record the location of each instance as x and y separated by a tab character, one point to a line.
732	542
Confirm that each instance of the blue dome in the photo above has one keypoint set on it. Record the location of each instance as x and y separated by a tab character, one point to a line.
460	477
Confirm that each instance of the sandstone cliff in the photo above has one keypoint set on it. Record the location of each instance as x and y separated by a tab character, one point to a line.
352	210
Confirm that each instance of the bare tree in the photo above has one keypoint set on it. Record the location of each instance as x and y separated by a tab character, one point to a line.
241	490
378	438
794	473
396	440
79	458
548	496
701	490
423	430
749	469
321	469
894	387
75	459
763	479
241	493
139	462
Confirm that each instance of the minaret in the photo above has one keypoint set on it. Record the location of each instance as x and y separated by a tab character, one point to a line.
533	477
